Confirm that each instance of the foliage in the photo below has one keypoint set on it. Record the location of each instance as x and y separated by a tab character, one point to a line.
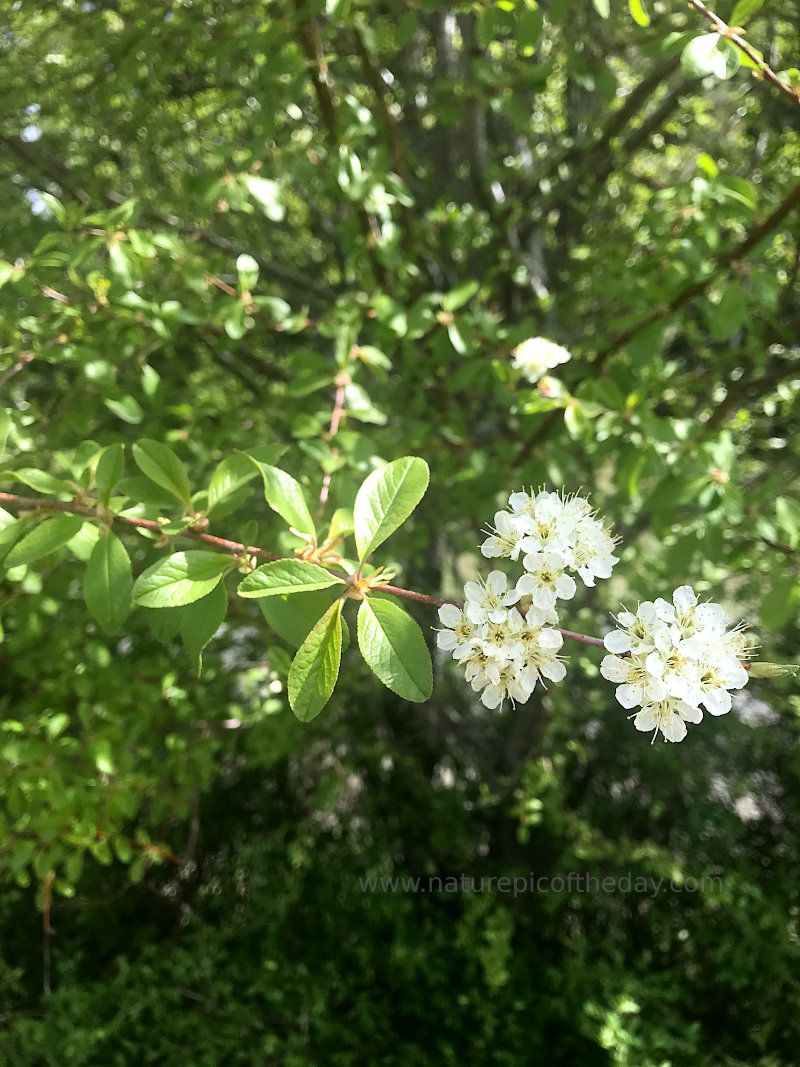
262	270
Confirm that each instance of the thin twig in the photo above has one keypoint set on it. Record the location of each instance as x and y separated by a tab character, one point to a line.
234	548
342	380
763	69
23	360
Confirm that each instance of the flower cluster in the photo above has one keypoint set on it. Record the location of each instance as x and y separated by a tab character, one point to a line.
506	638
669	659
536	356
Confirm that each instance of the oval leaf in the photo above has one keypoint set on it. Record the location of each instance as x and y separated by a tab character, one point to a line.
200	621
284	495
180	579
315	667
294	617
637	9
231	474
386	499
107	582
44	539
286	576
395	649
110	468
41	481
162	466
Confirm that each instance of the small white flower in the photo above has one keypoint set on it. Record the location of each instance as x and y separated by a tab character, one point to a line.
669	716
506	539
487	602
509	683
545	581
635	684
536	356
592	553
459	630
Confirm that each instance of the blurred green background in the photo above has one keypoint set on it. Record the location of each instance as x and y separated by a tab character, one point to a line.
422	187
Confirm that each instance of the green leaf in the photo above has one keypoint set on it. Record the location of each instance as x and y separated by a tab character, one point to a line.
342	523
180	579
165	622
107	582
293	617
231	474
602	7
284	495
787	512
640	16
456	298
395	649
529	27
162	466
315	667
247	269
127	408
100	750
710	54
41	481
44	539
386	499
286	576
200	621
110	468
743	10
780	603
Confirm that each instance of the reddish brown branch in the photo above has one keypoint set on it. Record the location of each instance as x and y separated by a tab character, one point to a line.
23	360
29	503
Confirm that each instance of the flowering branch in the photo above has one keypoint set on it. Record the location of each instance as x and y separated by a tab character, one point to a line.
224	545
732	34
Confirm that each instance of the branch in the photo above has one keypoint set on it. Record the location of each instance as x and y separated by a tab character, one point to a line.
234	548
763	69
29	503
23	360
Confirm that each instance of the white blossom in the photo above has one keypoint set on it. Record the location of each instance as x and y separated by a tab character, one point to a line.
486	602
545	580
536	356
677	657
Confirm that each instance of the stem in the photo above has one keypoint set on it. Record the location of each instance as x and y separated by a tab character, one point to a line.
584	639
234	548
724	30
25	358
342	380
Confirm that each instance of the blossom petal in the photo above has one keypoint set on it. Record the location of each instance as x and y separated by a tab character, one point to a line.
617	641
684	598
450	615
718	701
629	695
674	729
614	669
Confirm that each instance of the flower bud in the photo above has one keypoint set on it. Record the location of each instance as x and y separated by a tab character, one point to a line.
772	670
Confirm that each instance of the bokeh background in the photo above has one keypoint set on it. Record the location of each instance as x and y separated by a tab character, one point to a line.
422	186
